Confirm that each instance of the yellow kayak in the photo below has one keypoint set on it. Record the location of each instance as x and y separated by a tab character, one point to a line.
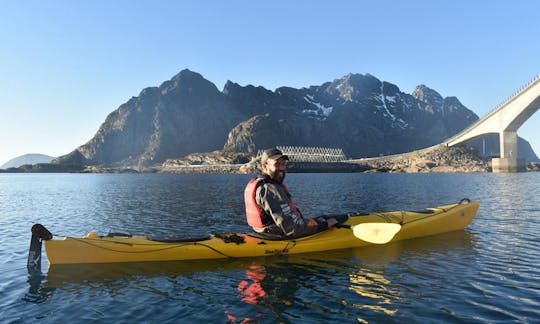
358	230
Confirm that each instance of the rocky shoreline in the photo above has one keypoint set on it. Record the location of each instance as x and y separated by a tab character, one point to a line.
440	159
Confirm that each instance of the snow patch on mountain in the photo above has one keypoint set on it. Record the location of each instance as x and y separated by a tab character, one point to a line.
320	111
386	112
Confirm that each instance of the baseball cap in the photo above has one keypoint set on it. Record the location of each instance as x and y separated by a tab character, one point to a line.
272	154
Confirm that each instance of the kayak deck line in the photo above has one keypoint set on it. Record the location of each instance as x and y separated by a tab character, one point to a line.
428	211
170	245
358	230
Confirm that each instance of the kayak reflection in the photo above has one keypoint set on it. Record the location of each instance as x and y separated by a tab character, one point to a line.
273	286
359	282
77	277
84	274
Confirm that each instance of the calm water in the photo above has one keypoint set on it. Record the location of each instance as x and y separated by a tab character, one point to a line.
488	273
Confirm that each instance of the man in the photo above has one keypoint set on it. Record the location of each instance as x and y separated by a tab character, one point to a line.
270	209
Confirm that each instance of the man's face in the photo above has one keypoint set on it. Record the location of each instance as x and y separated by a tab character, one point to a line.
275	169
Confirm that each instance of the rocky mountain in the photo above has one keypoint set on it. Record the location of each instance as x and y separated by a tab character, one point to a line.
359	113
187	114
32	158
184	115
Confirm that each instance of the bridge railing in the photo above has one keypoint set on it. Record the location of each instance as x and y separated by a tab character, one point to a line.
496	109
515	94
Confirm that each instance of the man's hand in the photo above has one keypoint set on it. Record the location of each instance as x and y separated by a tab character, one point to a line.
312	223
331	222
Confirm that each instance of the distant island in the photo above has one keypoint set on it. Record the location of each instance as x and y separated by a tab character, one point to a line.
32	158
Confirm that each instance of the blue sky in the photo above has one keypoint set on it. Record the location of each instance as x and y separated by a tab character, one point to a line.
65	65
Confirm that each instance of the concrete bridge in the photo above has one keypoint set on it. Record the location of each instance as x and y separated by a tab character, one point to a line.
505	120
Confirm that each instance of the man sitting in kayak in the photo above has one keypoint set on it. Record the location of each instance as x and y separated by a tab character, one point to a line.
270	209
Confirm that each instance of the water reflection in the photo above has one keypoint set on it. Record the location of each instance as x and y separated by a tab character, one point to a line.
376	292
37	291
270	289
251	289
372	286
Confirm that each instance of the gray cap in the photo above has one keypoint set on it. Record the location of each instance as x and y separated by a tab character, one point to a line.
272	154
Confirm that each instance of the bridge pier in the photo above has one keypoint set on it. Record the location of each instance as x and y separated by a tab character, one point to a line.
508	144
507	165
508	162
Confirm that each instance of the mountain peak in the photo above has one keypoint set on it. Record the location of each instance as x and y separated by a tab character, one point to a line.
353	86
230	86
358	79
426	94
186	74
187	81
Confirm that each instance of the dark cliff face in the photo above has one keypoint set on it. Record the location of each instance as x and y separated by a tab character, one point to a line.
358	113
185	114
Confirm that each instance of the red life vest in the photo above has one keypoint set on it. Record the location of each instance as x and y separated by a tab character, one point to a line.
255	216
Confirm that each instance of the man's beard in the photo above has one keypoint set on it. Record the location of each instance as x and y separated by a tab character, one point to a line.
278	176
